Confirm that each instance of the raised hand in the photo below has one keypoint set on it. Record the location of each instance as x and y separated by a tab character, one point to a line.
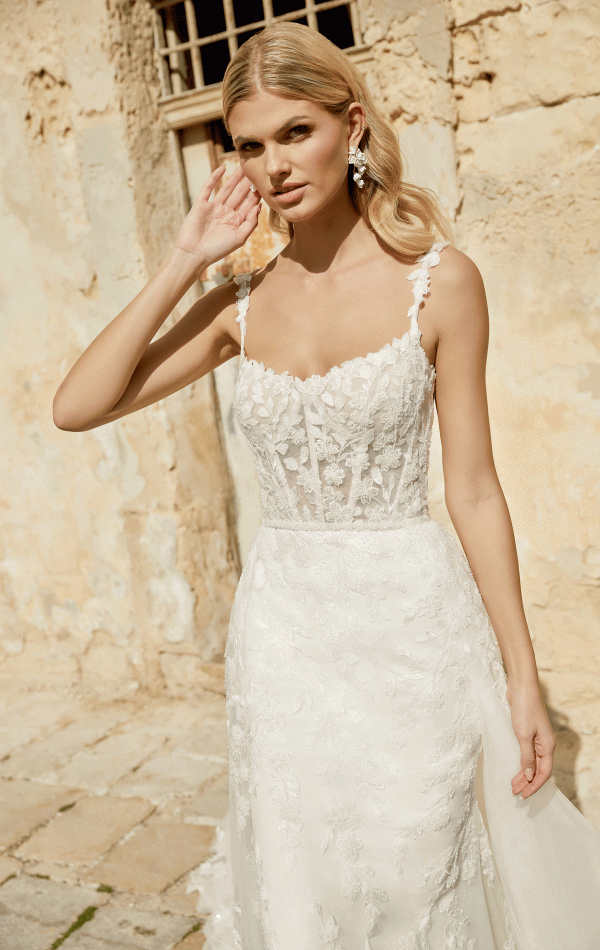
216	227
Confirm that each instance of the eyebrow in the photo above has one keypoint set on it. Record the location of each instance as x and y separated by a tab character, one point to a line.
240	139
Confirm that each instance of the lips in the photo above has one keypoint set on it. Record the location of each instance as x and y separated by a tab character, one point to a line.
289	196
283	191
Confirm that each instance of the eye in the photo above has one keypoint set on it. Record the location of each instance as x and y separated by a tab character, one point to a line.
301	129
297	131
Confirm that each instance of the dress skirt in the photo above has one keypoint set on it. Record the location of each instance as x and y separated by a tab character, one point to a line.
371	754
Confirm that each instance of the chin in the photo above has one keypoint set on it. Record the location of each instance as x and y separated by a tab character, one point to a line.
298	213
290	217
306	209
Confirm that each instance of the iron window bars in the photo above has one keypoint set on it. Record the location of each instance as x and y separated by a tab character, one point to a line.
195	39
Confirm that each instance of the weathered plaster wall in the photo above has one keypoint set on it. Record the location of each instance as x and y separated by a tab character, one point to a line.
411	77
498	109
117	567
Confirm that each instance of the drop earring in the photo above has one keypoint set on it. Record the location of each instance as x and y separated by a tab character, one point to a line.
359	160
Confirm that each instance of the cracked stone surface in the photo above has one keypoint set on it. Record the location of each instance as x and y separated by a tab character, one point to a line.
112	865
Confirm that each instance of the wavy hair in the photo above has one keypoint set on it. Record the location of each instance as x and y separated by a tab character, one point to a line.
292	60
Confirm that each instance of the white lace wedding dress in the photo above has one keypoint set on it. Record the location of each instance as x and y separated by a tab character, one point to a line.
370	742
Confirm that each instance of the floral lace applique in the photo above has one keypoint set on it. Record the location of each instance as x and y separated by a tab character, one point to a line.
348	447
307	694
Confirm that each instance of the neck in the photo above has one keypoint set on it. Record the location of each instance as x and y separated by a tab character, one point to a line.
334	237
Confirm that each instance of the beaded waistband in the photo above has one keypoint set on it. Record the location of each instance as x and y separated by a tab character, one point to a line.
356	525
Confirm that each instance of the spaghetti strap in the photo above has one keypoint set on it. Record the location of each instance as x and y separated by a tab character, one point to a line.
242	304
420	278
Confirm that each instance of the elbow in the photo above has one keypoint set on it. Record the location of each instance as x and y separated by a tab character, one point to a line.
63	420
65	424
69	417
472	499
471	489
60	412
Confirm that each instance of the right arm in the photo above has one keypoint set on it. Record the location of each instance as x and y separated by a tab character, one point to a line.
122	370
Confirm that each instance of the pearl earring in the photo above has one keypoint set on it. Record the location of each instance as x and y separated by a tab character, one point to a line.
359	160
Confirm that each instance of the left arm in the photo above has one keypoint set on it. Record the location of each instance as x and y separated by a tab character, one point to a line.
476	502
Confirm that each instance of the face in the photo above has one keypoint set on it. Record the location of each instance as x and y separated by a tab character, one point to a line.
294	152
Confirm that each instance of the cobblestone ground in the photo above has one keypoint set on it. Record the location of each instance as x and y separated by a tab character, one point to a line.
104	808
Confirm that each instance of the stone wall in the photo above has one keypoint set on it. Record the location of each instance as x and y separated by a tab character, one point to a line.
118	560
119	554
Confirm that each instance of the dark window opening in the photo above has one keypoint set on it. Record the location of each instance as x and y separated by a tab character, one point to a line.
247	11
210	18
215	59
281	7
336	25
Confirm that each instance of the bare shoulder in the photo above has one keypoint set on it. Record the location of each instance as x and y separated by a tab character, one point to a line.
457	294
456	272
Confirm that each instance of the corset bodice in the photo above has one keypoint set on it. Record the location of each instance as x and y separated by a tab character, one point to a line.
349	448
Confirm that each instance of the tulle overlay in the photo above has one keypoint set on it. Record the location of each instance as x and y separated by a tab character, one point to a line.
370	742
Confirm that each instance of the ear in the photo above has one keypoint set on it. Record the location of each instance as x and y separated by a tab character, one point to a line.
357	118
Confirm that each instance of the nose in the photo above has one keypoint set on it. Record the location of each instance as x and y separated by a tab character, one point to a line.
276	163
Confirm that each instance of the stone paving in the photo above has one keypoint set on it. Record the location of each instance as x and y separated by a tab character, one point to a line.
104	808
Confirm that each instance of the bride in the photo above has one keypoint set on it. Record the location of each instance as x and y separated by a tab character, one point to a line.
345	341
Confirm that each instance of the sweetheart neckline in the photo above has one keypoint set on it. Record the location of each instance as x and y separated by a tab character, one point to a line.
393	344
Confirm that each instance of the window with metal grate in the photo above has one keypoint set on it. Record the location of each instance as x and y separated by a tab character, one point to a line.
195	39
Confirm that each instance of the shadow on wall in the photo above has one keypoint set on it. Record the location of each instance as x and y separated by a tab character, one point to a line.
568	744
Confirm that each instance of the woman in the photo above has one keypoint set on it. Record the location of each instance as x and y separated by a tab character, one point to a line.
389	782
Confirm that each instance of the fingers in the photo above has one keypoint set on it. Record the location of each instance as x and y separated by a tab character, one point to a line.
528	764
542	775
250	214
233	192
240	194
527	757
519	782
251	201
229	186
249	223
543	770
210	183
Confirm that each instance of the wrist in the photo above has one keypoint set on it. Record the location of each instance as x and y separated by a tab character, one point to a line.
523	680
189	265
520	663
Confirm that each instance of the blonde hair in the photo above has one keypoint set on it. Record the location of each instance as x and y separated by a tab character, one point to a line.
294	61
